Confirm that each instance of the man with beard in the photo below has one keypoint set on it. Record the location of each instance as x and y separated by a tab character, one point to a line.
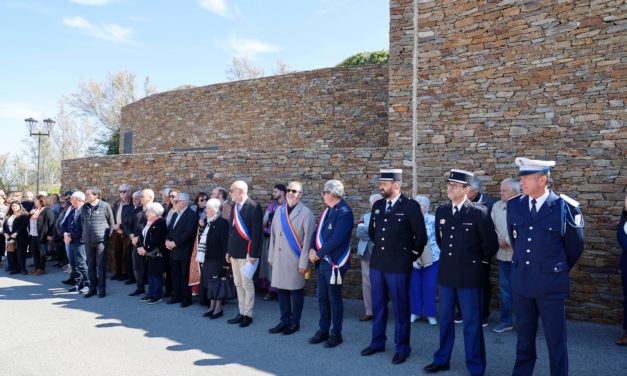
398	232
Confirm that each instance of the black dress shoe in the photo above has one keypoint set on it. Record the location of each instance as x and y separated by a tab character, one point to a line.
185	304
246	320
172	301
89	294
102	294
399	358
216	315
291	329
433	368
369	351
137	292
333	341
69	281
115	277
278	329
318	337
208	313
235	320
13	272
130	281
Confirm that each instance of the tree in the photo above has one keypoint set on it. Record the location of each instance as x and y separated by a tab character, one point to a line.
243	69
102	103
281	68
362	58
71	139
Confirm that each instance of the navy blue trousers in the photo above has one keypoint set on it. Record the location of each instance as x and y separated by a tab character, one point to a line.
623	274
470	301
291	304
383	285
553	315
330	301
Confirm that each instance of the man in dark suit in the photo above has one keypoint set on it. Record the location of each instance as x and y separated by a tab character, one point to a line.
138	223
465	234
621	235
330	252
397	229
244	246
129	226
546	232
180	241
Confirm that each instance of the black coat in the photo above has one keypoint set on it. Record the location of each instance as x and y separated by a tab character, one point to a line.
465	241
252	216
45	224
20	227
129	218
184	234
399	236
154	244
215	250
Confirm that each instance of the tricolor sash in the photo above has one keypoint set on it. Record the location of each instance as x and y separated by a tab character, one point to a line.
240	226
288	230
335	268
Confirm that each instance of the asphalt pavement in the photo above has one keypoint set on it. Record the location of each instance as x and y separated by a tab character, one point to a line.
44	330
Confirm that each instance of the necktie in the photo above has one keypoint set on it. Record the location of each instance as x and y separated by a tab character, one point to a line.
175	218
534	211
455	211
389	206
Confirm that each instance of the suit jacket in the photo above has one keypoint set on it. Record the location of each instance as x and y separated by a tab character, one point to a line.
154	244
621	235
284	261
465	241
487	201
252	216
544	250
129	218
336	234
45	224
399	236
364	247
183	234
139	222
20	227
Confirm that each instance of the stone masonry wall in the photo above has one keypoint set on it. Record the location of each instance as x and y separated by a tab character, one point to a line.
543	79
193	172
335	107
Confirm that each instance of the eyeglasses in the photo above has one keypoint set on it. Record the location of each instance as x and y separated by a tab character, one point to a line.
175	201
326	192
294	191
122	191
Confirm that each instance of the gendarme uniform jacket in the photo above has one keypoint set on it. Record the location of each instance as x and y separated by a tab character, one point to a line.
399	236
545	247
465	241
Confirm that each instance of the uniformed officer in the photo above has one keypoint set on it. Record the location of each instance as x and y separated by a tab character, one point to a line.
399	235
546	232
466	237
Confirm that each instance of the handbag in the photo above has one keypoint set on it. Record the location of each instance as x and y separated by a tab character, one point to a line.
222	287
10	246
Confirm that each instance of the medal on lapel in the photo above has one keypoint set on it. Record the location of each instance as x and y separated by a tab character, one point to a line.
442	221
515	234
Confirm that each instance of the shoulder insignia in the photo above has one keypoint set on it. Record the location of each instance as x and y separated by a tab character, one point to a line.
569	200
517	196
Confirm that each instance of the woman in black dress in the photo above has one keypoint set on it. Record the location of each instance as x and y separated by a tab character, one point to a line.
16	232
152	246
212	240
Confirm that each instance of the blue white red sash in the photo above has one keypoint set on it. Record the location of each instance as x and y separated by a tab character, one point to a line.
335	268
288	230
240	226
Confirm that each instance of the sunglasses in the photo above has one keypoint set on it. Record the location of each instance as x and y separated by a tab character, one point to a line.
202	199
122	192
294	191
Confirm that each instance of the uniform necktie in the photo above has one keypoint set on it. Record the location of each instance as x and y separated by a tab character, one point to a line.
389	206
455	211
534	211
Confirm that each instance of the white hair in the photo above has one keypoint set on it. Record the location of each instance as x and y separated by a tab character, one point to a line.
137	194
78	195
335	187
155	208
513	183
374	198
214	204
424	202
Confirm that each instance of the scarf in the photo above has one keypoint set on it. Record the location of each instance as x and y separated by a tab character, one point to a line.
202	242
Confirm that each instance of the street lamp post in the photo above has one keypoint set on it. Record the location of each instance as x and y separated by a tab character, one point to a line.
43	132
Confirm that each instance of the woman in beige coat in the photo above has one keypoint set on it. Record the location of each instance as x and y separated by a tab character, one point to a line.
288	256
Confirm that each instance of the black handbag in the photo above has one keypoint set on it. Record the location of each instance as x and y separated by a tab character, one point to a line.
222	287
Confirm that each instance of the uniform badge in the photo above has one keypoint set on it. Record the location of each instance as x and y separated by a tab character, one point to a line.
515	234
330	226
442	221
376	211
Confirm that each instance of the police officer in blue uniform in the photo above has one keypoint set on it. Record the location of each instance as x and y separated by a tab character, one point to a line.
330	252
466	237
546	232
399	235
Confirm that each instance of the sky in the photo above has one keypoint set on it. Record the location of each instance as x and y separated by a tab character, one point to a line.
48	46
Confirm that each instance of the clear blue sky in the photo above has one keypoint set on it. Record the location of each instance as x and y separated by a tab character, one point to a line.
48	46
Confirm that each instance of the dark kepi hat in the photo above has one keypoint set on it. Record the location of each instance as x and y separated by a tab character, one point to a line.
461	176
391	174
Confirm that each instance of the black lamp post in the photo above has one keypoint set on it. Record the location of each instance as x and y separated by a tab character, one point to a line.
43	132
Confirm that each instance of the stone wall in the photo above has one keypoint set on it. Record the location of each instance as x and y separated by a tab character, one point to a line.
335	107
544	79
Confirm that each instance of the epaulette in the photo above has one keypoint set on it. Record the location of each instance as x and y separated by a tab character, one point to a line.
569	200
517	196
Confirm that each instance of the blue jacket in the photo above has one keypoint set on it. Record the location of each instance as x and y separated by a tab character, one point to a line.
621	235
545	247
336	234
74	227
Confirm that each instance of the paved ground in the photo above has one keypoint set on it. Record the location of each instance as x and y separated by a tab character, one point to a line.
47	331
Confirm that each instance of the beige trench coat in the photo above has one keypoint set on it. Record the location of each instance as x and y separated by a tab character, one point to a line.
284	261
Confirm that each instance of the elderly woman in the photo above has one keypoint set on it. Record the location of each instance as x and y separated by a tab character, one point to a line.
211	255
152	246
292	227
41	229
330	252
422	288
15	229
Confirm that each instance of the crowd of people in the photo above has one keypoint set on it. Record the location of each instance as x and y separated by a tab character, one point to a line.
220	245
